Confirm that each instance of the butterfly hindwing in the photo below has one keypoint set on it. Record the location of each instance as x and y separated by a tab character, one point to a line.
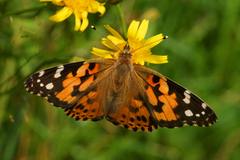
134	116
88	107
171	105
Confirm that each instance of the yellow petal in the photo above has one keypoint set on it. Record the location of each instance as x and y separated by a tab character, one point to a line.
84	14
114	40
140	61
101	52
113	43
156	59
153	41
61	14
84	24
93	7
142	30
108	44
58	2
143	53
132	30
77	21
101	10
113	32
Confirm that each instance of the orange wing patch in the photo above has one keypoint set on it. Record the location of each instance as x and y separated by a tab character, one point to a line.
86	84
153	81
163	104
65	94
134	116
87	67
151	96
72	81
87	108
69	79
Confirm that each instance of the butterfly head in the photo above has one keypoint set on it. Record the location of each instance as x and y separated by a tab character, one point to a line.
125	55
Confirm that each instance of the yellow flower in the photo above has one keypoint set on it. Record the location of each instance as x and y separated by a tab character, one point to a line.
139	47
80	8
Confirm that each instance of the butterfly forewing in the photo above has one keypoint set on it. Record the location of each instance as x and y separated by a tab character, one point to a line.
64	85
171	105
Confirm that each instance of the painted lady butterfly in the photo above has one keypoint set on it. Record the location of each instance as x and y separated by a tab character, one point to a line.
128	94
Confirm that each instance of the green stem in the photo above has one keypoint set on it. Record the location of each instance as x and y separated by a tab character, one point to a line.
24	10
123	22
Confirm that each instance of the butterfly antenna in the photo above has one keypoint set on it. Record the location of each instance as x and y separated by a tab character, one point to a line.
165	37
105	37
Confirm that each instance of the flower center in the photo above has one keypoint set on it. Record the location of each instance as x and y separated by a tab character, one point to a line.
78	4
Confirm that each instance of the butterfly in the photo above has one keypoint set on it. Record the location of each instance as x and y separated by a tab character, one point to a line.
127	94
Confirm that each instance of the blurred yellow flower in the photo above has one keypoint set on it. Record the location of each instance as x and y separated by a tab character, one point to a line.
139	47
80	8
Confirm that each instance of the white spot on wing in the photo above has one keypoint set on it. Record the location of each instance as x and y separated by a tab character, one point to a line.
49	86
57	75
187	94
187	101
188	113
41	84
203	112
187	97
41	73
204	105
60	69
185	123
38	80
197	115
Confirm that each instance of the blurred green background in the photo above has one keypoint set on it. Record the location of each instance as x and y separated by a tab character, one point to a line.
203	49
